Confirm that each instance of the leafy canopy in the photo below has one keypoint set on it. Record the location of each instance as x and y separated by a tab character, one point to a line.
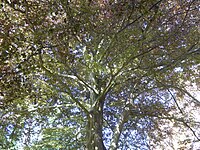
96	74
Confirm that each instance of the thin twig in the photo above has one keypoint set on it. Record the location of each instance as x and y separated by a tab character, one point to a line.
186	124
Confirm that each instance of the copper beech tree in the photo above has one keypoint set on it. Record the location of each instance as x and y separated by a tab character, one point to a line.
97	74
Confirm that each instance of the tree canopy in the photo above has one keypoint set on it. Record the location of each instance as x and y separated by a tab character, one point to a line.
98	74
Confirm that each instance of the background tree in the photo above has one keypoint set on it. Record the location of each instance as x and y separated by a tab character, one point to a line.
96	74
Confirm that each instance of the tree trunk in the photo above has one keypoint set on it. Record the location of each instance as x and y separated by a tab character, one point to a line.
94	129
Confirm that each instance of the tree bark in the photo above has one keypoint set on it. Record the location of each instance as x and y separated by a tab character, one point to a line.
94	129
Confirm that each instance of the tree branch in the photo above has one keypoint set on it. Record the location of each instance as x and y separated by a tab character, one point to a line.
118	130
129	24
69	91
185	123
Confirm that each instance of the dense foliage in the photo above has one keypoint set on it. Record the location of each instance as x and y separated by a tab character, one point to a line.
97	74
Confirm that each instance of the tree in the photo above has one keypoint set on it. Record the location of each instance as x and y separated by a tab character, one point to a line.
96	74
